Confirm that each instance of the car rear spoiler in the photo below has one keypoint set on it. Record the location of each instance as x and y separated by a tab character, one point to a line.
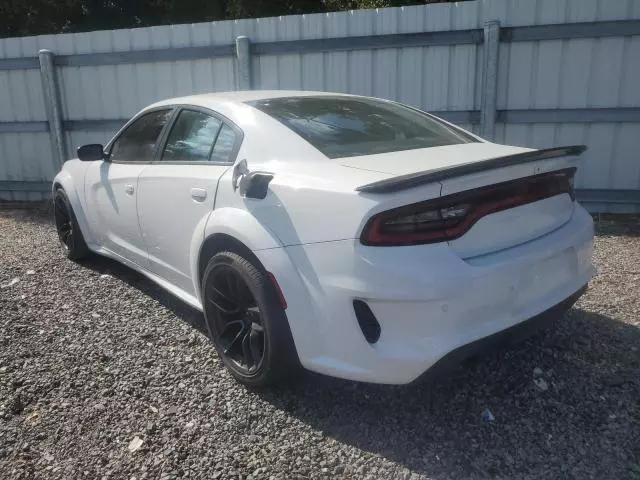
411	180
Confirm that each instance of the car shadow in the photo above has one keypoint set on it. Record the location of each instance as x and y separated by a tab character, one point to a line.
556	398
104	265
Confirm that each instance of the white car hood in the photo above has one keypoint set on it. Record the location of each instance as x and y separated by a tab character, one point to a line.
426	159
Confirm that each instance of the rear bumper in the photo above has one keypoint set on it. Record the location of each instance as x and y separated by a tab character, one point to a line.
510	335
429	301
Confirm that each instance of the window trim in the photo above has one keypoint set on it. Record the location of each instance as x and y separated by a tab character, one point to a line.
164	137
125	127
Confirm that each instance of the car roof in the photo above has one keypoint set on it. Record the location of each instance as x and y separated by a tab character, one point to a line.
206	99
233	104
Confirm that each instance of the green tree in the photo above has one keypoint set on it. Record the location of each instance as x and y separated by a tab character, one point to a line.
33	17
269	8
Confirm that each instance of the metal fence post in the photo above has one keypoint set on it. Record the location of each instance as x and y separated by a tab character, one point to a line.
488	111
243	57
53	107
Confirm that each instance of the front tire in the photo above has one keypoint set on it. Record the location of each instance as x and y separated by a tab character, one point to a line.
247	322
69	233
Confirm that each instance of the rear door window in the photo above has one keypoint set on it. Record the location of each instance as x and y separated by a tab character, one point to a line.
225	145
192	137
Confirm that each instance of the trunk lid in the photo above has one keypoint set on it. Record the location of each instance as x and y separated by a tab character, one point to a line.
517	225
460	169
429	159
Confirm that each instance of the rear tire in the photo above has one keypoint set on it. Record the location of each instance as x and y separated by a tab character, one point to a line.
247	322
69	233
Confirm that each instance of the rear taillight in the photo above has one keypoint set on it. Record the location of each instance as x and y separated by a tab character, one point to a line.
449	217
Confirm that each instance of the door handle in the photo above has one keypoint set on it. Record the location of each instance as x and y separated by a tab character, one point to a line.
129	189
198	194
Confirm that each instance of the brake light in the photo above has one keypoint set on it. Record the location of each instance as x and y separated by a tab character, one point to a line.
449	217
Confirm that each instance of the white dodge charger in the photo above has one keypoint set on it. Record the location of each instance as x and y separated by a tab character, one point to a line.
352	236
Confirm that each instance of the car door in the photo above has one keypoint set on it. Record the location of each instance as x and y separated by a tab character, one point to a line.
111	186
176	193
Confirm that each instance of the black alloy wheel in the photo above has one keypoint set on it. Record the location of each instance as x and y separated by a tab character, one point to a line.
64	223
246	320
69	233
238	322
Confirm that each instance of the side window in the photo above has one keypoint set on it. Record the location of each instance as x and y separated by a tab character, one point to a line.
191	138
224	145
137	142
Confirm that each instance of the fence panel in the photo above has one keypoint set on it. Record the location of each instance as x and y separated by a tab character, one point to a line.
567	73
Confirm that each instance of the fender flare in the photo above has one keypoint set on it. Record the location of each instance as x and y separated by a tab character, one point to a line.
65	180
243	227
236	223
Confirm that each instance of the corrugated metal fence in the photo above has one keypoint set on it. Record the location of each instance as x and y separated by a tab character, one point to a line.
527	72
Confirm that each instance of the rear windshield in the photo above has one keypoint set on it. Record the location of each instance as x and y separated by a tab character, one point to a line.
348	126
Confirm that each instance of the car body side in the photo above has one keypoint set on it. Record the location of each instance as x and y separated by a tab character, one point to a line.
306	232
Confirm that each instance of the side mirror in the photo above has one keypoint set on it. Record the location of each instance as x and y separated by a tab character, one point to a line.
91	152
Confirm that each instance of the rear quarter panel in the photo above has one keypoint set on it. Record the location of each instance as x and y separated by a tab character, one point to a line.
310	199
309	207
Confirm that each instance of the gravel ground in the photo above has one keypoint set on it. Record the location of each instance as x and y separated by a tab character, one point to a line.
102	375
